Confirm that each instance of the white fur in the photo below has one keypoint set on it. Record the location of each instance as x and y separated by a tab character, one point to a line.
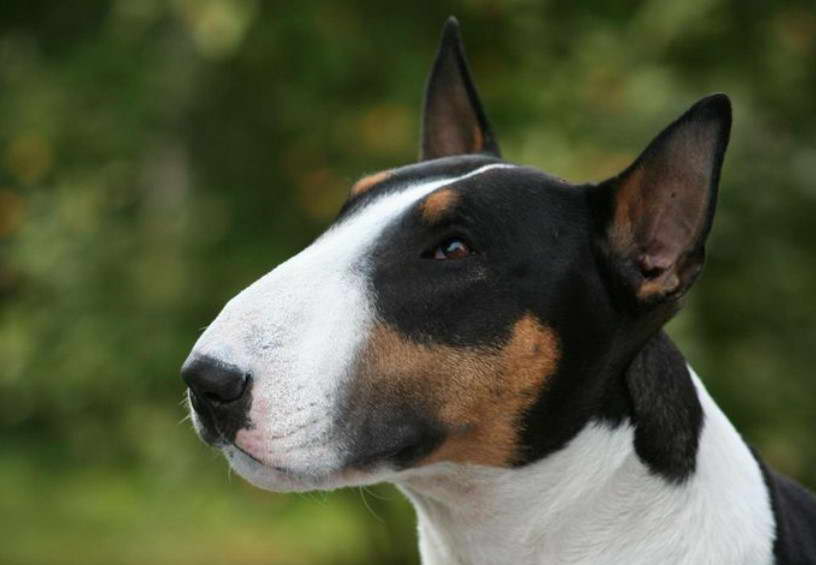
297	331
595	503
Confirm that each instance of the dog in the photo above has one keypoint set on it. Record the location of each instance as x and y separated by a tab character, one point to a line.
489	338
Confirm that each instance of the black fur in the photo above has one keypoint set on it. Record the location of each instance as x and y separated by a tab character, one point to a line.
410	434
794	510
666	412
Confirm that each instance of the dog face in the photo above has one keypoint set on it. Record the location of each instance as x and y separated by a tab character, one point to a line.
461	309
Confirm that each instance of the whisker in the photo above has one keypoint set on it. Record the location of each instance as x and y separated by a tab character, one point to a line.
376	495
368	506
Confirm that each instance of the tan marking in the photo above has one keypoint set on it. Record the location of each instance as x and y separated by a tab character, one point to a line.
438	203
660	286
478	394
370	181
621	232
478	140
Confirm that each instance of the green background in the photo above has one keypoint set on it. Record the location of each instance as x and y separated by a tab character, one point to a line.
156	157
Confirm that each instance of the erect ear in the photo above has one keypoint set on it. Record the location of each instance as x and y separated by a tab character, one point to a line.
660	209
453	122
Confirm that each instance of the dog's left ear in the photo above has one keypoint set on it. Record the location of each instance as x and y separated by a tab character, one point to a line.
453	122
658	212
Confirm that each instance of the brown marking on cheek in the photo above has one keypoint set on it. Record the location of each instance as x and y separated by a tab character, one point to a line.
438	204
478	395
369	181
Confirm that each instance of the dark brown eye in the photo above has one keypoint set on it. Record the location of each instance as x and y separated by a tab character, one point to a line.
453	248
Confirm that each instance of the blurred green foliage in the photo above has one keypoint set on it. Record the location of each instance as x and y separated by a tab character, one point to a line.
156	157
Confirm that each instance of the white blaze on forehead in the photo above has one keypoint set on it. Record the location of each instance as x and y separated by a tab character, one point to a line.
298	328
323	274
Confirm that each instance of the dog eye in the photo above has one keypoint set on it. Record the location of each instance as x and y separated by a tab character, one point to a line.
454	248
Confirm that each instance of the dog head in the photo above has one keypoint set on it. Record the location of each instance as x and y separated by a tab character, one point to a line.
461	309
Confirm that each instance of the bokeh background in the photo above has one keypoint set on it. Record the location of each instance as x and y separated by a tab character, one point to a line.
157	156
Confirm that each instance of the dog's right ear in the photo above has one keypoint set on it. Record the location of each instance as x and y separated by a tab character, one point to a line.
453	122
656	215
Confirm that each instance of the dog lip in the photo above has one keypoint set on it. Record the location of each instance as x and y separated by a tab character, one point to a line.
277	468
284	479
255	459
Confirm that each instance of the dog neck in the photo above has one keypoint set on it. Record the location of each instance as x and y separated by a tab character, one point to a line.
596	502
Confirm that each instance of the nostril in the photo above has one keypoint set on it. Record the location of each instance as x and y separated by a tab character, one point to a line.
214	381
228	392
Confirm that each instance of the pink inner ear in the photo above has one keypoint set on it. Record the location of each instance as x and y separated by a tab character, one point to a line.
672	220
663	203
666	198
455	124
451	122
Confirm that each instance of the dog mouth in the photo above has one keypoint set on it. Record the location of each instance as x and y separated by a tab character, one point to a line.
254	468
233	445
350	454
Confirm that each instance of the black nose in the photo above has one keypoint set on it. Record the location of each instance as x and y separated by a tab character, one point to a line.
214	381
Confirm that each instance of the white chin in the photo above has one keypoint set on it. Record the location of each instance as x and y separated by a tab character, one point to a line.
284	480
269	478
